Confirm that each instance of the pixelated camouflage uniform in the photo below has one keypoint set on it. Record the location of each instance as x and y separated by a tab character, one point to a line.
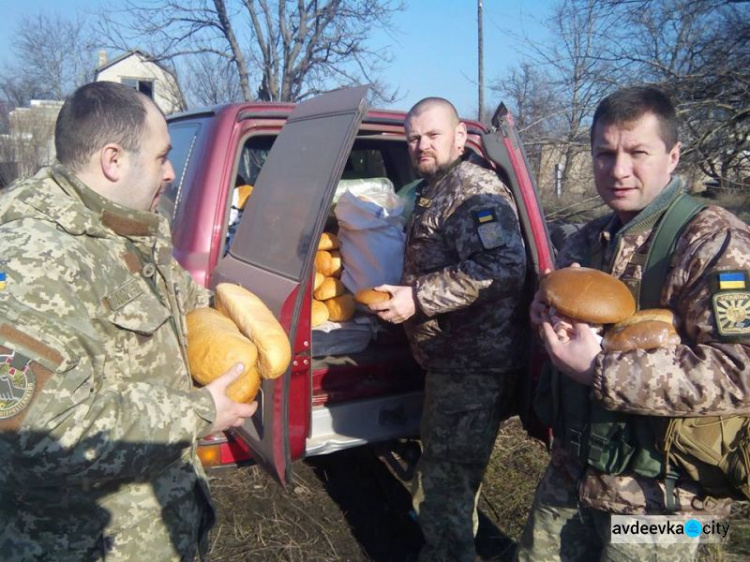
100	460
705	375
465	259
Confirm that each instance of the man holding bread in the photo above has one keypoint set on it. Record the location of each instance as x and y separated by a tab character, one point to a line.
460	303
608	403
99	423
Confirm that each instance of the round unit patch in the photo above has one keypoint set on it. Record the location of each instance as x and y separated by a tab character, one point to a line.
17	384
732	310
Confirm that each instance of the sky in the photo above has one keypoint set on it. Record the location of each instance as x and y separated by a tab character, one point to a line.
433	43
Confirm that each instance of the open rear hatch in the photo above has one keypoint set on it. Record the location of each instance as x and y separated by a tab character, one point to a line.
275	244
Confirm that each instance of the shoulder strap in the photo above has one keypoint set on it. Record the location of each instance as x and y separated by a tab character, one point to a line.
677	215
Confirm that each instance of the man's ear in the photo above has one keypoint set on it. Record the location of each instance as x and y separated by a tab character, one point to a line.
111	160
674	156
461	136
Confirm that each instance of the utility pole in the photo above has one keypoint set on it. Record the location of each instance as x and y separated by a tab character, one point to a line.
480	43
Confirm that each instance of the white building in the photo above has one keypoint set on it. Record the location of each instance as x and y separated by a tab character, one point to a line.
137	69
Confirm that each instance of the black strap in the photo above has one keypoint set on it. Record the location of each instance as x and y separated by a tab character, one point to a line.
665	238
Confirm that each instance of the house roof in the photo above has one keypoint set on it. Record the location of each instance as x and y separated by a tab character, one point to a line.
129	54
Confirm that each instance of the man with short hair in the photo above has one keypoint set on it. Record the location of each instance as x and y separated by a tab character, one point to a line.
99	436
635	150
464	269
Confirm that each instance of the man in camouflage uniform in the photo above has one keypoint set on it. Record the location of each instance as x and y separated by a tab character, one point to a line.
635	150
98	417
464	268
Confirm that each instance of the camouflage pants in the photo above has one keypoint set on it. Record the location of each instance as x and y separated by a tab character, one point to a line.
559	529
461	417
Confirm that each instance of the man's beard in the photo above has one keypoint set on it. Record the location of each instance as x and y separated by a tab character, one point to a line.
432	170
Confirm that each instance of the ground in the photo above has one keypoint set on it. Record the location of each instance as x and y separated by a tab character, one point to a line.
350	506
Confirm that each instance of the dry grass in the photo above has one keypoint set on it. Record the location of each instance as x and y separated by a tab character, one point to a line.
349	506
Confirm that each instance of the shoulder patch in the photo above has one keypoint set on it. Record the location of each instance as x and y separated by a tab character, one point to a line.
730	301
488	229
17	383
732	311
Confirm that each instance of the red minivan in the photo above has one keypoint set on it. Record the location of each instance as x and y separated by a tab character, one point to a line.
295	157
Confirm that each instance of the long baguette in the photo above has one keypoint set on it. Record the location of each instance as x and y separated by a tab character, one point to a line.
258	323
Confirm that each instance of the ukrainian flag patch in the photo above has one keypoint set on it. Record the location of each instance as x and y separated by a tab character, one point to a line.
485	215
731	304
729	280
3	281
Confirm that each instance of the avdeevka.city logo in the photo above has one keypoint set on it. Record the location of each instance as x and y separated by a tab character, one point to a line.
17	384
693	528
656	529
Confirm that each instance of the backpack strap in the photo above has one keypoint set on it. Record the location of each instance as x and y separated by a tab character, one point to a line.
677	215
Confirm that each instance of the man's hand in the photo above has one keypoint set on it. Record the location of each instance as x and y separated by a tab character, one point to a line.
573	355
399	308
538	308
228	413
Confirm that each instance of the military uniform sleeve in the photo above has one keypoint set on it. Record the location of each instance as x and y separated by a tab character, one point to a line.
709	373
491	260
65	427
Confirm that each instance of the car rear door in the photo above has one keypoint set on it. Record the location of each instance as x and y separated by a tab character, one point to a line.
273	250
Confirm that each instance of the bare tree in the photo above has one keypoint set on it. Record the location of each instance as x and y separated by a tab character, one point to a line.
211	80
698	51
285	50
53	56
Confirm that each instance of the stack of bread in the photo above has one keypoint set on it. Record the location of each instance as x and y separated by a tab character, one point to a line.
241	329
331	300
603	301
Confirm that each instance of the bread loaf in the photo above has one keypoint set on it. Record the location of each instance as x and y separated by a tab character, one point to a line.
319	313
331	287
214	345
329	241
336	264
319	278
371	296
587	295
323	262
243	193
646	329
258	323
341	308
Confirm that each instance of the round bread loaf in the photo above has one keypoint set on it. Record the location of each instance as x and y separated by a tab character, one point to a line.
323	262
319	313
329	288
329	241
259	325
587	295
341	308
214	345
656	314
371	296
648	334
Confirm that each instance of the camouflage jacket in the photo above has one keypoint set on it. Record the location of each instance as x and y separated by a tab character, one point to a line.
465	259
708	374
98	417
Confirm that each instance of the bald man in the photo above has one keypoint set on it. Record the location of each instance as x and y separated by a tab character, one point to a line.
460	302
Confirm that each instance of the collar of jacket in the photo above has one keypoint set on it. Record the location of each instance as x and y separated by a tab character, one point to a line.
84	211
648	217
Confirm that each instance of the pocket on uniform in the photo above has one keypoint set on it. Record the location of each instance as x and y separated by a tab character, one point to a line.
143	314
